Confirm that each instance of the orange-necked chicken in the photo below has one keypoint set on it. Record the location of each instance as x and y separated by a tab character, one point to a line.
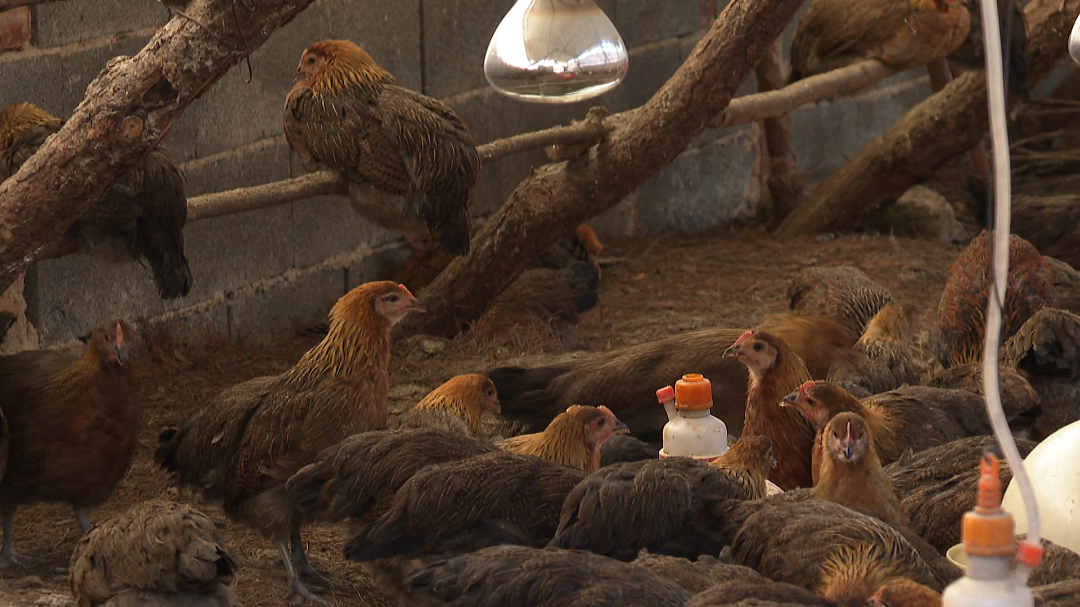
902	35
252	437
410	161
776	370
74	423
574	438
458	405
1045	350
843	293
144	211
885	359
904	593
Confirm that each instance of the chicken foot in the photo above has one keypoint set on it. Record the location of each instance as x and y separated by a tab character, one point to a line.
297	589
8	556
300	563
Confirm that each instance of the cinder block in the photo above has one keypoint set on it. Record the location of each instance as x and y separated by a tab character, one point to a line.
380	265
270	314
82	67
643	21
456	37
59	23
14	28
37	79
327	226
233	113
192	326
238	169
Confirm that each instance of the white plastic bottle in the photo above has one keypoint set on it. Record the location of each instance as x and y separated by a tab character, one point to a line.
691	431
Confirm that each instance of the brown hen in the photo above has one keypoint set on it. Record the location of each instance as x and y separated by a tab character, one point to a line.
157	553
246	444
74	424
697	575
885	359
458	405
573	438
842	293
410	161
1045	350
851	473
756	592
748	462
904	593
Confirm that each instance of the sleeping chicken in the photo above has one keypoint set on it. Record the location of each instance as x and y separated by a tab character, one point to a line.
843	293
410	161
458	405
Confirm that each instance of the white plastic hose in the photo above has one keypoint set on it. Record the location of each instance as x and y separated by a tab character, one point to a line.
999	136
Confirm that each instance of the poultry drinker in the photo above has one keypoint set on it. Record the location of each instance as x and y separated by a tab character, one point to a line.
692	430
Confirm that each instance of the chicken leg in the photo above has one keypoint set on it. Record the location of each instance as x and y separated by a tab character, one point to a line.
83	518
8	556
300	563
297	590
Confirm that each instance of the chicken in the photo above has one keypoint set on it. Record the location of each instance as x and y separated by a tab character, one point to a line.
851	473
842	293
962	309
904	593
582	245
74	425
626	448
424	264
938	485
775	370
1066	281
756	592
626	380
886	360
157	553
1061	594
902	35
1046	351
970	56
252	437
457	405
658	505
695	576
144	211
410	161
529	577
1049	223
1058	564
748	462
1020	401
573	438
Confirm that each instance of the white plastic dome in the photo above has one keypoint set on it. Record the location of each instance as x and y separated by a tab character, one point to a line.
1054	466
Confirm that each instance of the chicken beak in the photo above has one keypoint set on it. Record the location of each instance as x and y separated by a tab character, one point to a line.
789	400
848	444
416	306
620	428
731	352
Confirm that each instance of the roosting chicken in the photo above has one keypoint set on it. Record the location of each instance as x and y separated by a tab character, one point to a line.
962	309
528	577
1061	594
74	425
626	380
748	462
886	360
697	575
851	473
1046	351
157	553
626	448
902	35
410	161
842	293
970	55
1058	564
144	210
757	592
253	436
1019	400
776	370
458	405
904	593
573	438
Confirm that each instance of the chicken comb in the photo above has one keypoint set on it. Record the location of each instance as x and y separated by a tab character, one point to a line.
119	335
742	338
807	386
407	291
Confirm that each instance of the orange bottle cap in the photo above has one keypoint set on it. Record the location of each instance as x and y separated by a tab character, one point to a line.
665	394
988	530
693	393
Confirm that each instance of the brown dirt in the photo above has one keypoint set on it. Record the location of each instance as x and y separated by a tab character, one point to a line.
664	286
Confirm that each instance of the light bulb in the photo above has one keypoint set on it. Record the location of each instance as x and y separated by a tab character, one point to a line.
555	51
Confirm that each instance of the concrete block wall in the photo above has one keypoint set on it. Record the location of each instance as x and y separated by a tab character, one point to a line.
263	273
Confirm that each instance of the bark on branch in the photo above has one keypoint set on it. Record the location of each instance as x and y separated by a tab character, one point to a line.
128	108
556	197
939	128
10	4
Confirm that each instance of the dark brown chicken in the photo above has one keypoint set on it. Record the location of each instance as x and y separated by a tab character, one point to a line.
902	35
1058	564
658	505
626	448
458	405
74	425
851	473
626	380
842	293
573	438
1061	594
528	577
697	575
775	370
1066	282
252	437
885	359
1020	401
1046	351
904	593
1013	27
144	211
962	309
157	553
411	162
756	592
938	485
748	462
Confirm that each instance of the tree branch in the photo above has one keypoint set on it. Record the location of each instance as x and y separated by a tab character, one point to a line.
939	128
127	110
783	178
10	4
557	197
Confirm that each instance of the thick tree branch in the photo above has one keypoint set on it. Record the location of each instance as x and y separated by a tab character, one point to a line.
783	178
128	108
939	128
556	197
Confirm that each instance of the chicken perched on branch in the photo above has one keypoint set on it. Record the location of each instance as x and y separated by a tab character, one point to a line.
411	162
157	553
1046	351
851	473
144	211
458	405
252	437
74	425
902	35
573	438
842	293
885	360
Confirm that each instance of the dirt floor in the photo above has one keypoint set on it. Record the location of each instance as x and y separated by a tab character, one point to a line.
658	288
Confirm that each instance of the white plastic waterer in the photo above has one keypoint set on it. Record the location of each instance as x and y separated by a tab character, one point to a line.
691	431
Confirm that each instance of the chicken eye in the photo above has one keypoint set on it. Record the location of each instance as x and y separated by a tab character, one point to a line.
311	60
392	299
599	423
758	347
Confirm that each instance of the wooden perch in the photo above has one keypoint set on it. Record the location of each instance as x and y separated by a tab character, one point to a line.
782	176
936	130
557	197
128	108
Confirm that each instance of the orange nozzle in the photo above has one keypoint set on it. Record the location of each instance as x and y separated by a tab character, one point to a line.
693	392
988	530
